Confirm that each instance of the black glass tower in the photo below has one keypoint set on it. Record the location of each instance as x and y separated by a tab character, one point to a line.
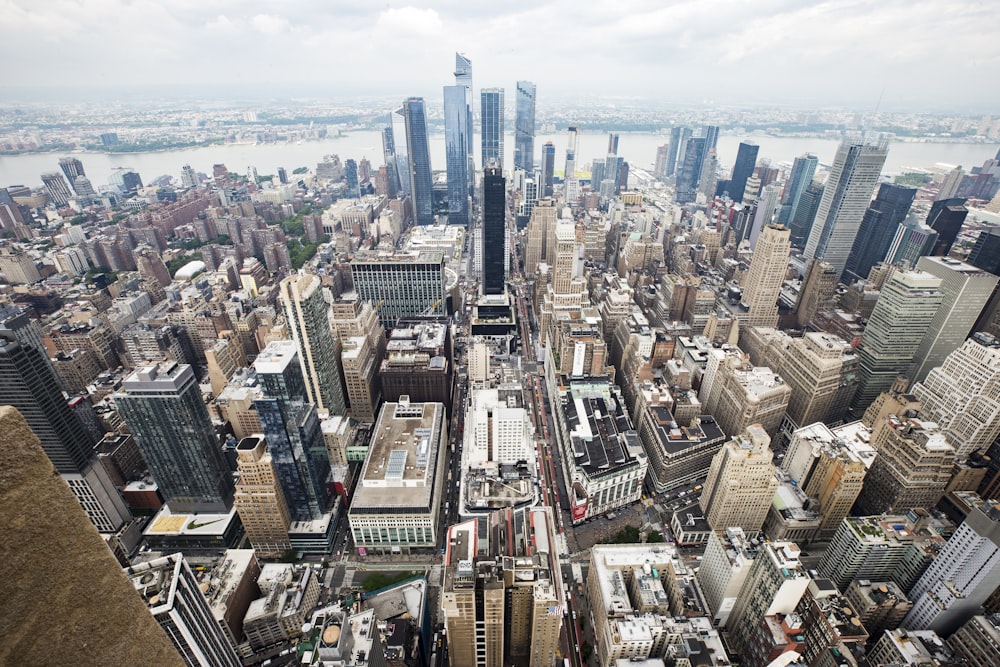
494	215
746	160
419	153
878	228
946	218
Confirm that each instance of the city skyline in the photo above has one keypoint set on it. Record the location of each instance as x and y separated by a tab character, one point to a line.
836	53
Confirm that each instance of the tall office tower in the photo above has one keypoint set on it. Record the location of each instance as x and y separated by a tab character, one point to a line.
689	171
986	253
819	286
548	168
502	595
878	228
949	187
767	271
351	174
965	290
56	187
978	640
491	117
72	167
905	309
524	127
662	157
613	143
52	546
282	175
774	585
913	240
742	394
177	602
709	178
390	158
84	187
746	161
419	154
292	430
164	409
764	212
813	366
711	133
675	152
463	77
740	483
829	469
29	383
494	230
802	218
961	395
259	500
729	555
571	188
402	285
963	575
803	170
912	469
307	318
946	218
541	228
596	175
855	172
456	147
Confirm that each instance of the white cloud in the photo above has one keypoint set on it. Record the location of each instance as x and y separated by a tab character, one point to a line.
269	24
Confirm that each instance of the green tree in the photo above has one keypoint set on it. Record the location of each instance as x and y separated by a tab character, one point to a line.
655	537
586	650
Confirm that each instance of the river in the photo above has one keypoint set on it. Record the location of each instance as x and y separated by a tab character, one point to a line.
638	148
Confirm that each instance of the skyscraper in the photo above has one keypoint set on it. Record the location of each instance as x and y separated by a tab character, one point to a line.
878	228
711	133
801	175
963	575
949	187
293	433
740	483
175	599
524	127
855	172
660	168
961	395
390	158
164	409
456	146
351	174
689	171
965	290
903	312
28	382
260	501
801	220
307	317
494	230
572	184
763	281
419	154
491	116
56	187
401	285
946	218
746	160
548	169
675	149
463	77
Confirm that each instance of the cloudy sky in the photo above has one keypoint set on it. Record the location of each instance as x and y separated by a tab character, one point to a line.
925	54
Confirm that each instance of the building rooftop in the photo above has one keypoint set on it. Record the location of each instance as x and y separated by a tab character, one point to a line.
274	359
600	431
167	523
402	459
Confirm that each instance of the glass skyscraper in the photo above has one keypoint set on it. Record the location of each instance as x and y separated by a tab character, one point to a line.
548	168
746	161
307	318
456	142
494	229
690	171
803	170
491	110
166	413
524	127
878	228
463	77
419	154
292	429
853	177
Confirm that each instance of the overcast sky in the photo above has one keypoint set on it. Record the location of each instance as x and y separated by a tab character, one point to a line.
926	54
